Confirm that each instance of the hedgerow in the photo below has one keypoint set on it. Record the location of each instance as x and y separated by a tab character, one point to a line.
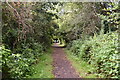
101	51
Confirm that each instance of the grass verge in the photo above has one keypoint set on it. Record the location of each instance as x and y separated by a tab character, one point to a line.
43	69
83	68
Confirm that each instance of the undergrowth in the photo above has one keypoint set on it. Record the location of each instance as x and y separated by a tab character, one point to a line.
17	65
100	51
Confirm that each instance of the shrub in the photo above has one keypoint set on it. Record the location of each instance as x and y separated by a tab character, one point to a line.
17	65
101	51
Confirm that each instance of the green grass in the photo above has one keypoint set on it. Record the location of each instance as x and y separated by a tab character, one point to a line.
81	66
43	69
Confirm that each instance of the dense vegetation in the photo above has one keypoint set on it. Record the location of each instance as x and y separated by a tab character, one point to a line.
90	31
25	38
101	49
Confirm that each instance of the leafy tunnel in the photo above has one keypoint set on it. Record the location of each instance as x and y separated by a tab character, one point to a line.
87	30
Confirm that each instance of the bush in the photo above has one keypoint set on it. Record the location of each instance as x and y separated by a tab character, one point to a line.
17	65
101	51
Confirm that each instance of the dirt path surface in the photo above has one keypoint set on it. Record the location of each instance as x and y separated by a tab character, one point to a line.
62	66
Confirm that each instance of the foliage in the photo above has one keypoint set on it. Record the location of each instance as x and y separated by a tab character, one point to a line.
29	28
18	64
26	33
77	19
36	26
109	13
101	51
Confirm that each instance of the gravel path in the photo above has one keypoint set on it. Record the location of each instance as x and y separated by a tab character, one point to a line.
62	66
